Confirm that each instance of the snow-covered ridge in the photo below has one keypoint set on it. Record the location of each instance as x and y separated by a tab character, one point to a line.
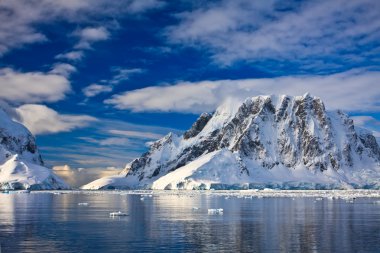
21	165
266	141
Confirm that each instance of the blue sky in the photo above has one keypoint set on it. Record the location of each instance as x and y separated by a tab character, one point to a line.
97	80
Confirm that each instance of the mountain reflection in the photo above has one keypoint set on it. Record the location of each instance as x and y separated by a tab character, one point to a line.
44	222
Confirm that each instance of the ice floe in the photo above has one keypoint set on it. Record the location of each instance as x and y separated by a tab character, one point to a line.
215	211
118	214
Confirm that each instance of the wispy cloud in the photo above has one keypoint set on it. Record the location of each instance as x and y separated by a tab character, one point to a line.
95	89
19	20
364	119
114	141
355	90
122	74
87	156
340	32
136	134
108	141
103	143
40	119
31	87
107	85
86	37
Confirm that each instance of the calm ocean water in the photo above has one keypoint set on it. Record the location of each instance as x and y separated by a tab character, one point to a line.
46	222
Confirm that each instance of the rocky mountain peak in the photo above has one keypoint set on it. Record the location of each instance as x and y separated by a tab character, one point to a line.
17	139
265	135
21	165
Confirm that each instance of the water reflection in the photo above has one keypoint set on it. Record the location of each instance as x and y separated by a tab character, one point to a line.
46	222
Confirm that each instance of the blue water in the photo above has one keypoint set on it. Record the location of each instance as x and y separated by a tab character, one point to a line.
44	222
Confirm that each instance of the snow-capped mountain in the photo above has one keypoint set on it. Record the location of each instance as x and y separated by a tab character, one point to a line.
21	165
266	141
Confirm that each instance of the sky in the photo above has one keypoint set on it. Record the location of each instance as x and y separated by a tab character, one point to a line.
96	81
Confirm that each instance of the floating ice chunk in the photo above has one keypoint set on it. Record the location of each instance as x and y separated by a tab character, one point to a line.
319	199
114	214
215	211
195	208
22	191
83	204
377	202
142	198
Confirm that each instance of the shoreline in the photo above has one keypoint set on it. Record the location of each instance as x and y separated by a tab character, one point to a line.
355	193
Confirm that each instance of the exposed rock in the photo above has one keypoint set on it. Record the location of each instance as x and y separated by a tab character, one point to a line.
273	139
21	165
198	126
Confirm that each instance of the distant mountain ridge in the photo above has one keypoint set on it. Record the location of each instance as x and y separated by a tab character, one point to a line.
21	165
266	141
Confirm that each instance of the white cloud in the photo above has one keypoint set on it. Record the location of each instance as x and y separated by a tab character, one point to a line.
90	35
283	30
77	177
9	110
19	20
40	119
71	56
136	134
94	34
32	87
63	69
355	90
87	37
95	89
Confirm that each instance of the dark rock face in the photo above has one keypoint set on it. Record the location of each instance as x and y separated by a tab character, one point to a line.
21	144
370	143
286	131
21	165
198	126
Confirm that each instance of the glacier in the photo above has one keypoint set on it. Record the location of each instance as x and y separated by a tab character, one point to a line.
283	142
21	165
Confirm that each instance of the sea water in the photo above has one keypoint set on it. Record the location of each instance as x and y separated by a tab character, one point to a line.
180	222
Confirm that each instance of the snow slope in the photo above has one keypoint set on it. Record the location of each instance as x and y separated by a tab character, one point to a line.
21	166
266	141
108	183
